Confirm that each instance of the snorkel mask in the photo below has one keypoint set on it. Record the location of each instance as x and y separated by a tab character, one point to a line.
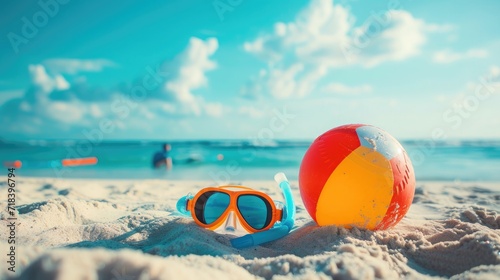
241	209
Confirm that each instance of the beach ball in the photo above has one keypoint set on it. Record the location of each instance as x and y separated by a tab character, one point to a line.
357	176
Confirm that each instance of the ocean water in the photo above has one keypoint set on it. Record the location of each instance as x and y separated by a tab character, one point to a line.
243	160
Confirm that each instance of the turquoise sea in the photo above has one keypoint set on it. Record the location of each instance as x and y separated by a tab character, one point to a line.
243	160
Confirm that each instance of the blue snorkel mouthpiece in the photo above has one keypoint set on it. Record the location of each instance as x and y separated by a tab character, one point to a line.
280	229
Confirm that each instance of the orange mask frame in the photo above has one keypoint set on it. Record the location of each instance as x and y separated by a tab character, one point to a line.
276	215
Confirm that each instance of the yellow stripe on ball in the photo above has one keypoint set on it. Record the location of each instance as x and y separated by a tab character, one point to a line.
358	192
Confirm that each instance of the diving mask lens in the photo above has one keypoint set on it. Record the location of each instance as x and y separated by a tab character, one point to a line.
256	210
210	206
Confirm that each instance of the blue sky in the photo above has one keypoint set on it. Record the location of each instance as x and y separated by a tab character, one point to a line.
237	69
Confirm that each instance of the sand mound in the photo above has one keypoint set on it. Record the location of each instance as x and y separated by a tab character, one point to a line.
127	230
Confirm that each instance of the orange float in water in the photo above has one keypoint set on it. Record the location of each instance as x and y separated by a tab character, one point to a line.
15	164
357	175
79	161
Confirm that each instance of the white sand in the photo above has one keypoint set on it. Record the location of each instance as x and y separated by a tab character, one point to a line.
111	229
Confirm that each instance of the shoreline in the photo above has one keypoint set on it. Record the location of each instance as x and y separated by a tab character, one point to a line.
432	181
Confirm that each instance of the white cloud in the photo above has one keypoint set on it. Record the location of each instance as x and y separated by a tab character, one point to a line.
167	107
65	112
281	82
44	82
473	111
338	88
255	86
73	66
6	95
486	86
146	112
323	36
324	33
297	80
37	112
401	37
317	28
492	79
449	56
214	109
25	106
495	73
293	81
62	108
95	111
188	70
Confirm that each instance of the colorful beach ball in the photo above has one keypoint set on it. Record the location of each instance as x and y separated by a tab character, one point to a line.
357	176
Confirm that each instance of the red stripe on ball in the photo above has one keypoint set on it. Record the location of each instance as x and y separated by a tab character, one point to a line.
403	191
322	157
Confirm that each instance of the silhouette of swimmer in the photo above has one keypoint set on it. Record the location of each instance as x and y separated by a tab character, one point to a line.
161	158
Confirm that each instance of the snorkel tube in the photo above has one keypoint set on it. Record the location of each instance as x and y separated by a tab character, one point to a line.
280	229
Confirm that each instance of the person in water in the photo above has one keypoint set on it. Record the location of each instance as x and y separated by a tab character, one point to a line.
161	158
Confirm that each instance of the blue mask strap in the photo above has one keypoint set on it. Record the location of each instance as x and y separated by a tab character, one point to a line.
182	205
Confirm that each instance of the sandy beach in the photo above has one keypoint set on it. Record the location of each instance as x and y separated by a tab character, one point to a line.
129	229
112	111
